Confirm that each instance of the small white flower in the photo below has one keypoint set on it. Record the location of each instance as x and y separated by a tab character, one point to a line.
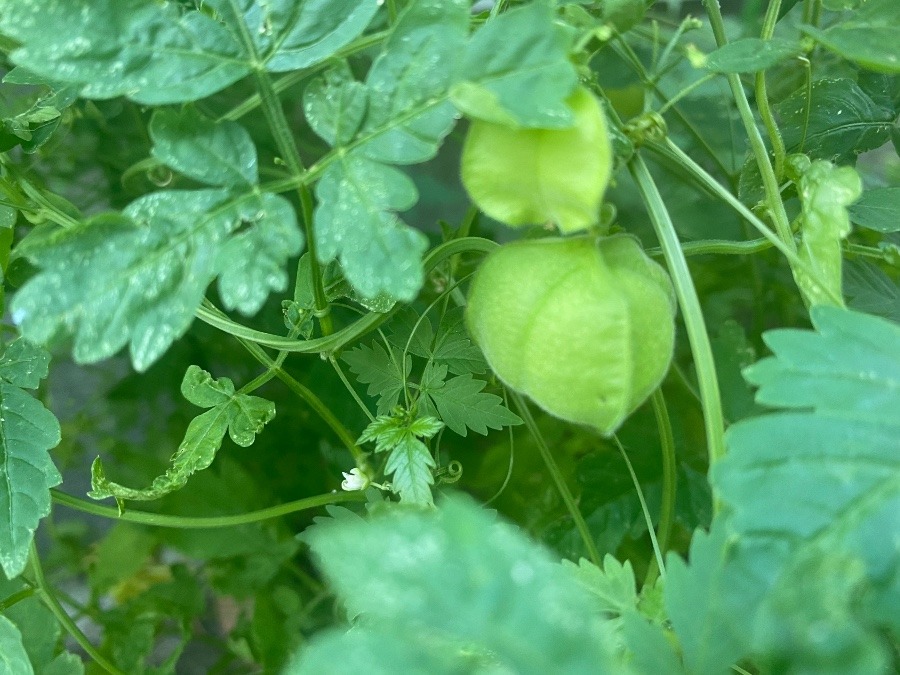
355	480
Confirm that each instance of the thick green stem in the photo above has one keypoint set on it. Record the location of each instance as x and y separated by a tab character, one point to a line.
757	145
47	595
191	522
556	475
690	308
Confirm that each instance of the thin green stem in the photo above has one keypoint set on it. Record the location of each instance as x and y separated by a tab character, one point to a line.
660	564
46	594
16	598
669	482
556	475
718	246
204	522
757	145
762	95
392	11
690	308
332	343
349	387
709	184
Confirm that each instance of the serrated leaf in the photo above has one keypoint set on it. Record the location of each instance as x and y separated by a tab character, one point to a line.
241	415
751	55
216	153
167	53
138	277
457	578
825	191
453	348
650	649
356	223
13	659
27	431
613	589
24	364
462	405
335	105
871	37
409	465
411	331
830	462
380	370
869	289
516	71
877	210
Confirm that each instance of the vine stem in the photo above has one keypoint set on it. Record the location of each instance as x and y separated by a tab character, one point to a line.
690	308
657	554
556	475
762	95
201	522
46	594
669	484
757	145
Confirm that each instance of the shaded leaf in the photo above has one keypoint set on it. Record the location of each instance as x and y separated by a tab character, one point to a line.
462	405
871	37
241	415
869	289
878	209
380	370
23	364
335	105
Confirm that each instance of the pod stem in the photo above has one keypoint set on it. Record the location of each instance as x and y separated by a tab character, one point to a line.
701	349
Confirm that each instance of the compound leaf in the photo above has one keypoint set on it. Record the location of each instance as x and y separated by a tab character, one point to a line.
335	105
380	370
410	464
138	277
462	405
157	53
241	415
27	431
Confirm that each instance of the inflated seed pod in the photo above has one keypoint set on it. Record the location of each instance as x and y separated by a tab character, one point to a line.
584	327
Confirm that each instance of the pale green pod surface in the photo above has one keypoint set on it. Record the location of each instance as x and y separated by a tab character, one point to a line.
533	176
584	328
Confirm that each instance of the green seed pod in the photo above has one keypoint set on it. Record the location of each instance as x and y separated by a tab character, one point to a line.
583	327
534	176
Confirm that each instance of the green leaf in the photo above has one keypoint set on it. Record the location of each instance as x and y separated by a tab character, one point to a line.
613	589
24	364
64	664
356	223
27	431
869	289
650	648
843	121
453	348
410	463
462	405
751	55
215	153
825	192
877	210
830	463
455	578
30	109
40	629
871	37
335	105
516	71
137	278
13	659
380	370
166	53
241	415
